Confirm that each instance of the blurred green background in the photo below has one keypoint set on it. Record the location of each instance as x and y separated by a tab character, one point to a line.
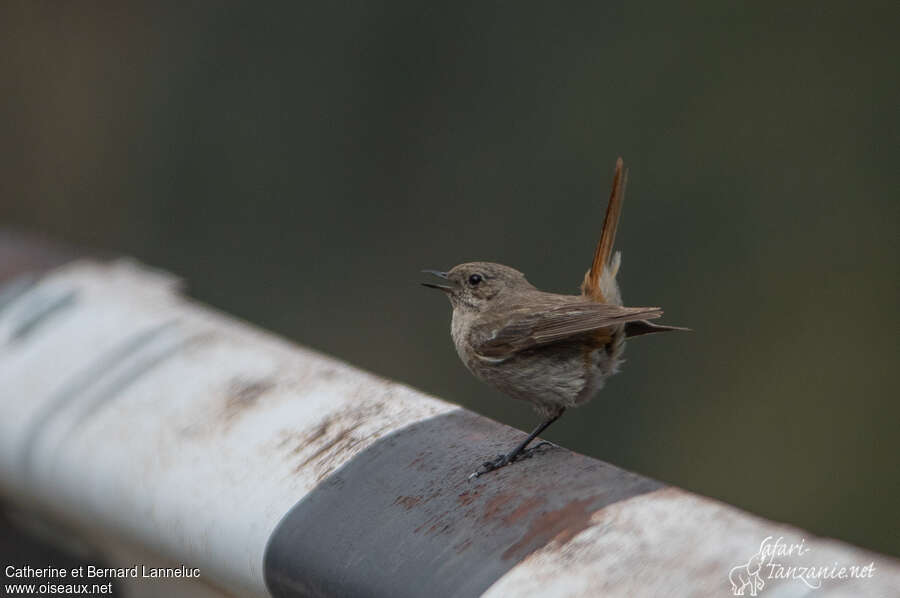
299	163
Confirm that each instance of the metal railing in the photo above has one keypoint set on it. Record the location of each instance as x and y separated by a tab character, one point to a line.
166	434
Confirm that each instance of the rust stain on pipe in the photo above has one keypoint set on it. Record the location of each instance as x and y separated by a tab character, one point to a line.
496	505
407	502
560	525
524	508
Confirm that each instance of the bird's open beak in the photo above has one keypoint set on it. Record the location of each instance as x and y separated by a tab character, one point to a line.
441	287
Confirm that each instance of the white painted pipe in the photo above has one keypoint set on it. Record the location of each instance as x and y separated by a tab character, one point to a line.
171	433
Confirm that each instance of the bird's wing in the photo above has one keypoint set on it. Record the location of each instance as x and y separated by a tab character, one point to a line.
527	329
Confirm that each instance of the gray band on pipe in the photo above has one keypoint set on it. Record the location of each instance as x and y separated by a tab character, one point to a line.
401	518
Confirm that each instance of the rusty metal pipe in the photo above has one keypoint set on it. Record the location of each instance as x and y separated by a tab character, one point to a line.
150	422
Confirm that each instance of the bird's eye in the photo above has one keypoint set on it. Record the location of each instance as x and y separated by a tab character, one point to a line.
475	279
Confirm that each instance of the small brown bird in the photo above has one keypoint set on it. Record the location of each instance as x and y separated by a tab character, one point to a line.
554	351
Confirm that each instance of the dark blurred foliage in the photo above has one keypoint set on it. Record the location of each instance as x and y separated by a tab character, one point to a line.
299	163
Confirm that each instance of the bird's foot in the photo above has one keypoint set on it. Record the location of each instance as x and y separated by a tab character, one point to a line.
504	460
488	466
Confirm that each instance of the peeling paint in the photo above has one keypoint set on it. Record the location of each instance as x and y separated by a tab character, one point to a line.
335	439
329	449
243	394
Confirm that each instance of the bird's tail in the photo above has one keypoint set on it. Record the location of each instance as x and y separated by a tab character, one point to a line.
600	281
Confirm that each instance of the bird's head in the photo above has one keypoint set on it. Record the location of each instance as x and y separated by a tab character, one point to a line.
474	285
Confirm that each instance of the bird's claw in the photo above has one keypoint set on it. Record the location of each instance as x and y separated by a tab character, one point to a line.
504	460
489	466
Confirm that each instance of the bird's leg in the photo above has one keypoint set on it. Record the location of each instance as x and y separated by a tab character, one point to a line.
516	453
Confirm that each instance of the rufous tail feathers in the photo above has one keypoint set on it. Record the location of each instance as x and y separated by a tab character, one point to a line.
603	256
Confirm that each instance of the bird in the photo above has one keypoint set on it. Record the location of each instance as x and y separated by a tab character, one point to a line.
553	350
